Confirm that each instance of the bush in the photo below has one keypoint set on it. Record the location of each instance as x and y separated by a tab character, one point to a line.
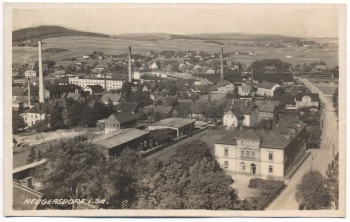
269	190
255	183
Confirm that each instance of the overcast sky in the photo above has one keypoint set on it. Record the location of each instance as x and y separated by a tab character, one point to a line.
290	20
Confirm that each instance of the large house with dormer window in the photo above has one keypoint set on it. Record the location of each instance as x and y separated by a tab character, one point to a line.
307	100
266	153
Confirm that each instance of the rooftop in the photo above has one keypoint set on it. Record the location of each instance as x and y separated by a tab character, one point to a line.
174	122
116	138
267	85
114	97
267	105
21	193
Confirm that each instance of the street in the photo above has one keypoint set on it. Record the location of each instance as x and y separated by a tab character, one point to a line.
319	158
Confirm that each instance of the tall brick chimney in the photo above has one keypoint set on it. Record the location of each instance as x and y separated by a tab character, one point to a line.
222	66
130	77
41	77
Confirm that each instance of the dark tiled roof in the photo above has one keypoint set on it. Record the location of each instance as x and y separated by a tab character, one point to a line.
124	117
314	96
232	135
96	88
274	139
127	106
276	78
163	109
267	85
166	101
197	108
222	83
266	105
18	91
115	97
213	78
45	108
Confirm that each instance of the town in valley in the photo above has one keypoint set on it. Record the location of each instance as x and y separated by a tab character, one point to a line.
162	121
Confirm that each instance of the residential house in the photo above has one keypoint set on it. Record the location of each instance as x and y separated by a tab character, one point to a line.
244	90
267	89
307	100
267	108
224	87
93	89
166	111
240	113
111	97
128	106
264	153
197	110
120	120
38	112
166	101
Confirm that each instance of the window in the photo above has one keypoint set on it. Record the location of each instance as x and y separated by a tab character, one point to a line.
226	165
253	154
247	153
270	169
242	142
270	156
242	153
226	152
242	165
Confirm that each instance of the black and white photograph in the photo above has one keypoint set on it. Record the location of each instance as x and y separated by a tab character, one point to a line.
174	110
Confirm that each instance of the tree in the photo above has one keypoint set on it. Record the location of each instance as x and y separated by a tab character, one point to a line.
213	111
56	120
313	136
74	113
190	179
123	174
88	117
335	100
76	170
17	122
32	156
126	90
313	192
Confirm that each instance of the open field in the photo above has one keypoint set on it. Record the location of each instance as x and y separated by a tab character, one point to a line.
326	86
80	45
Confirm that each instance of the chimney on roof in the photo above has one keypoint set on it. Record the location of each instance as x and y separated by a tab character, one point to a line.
222	66
41	77
130	77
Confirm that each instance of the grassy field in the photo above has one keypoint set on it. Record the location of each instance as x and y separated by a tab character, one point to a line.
80	45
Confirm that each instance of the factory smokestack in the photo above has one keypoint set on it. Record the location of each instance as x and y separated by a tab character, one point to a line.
41	77
130	77
252	86
222	66
105	81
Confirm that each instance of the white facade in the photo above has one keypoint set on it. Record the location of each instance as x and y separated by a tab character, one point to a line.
229	88
267	92
230	120
112	84
32	118
247	157
306	101
242	157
